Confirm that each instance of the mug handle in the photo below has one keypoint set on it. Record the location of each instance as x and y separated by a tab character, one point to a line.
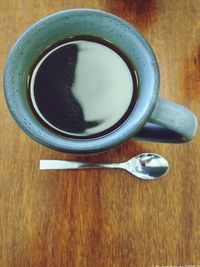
169	123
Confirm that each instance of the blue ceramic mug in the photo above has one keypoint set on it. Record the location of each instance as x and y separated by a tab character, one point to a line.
153	118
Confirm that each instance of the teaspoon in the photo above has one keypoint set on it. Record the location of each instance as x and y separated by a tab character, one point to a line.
147	166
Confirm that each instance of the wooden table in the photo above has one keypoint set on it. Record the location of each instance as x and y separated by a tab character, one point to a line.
105	217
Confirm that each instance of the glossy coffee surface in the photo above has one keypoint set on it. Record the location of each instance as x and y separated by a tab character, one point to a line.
83	88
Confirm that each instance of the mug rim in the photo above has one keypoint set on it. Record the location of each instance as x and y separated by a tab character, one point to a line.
22	114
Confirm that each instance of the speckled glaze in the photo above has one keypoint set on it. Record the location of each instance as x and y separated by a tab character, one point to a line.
67	24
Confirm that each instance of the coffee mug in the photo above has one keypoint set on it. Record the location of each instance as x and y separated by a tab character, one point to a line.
83	81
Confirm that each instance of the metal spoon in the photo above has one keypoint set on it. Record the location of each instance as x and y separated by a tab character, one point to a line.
146	166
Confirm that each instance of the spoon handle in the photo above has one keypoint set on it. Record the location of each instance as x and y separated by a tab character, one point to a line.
63	164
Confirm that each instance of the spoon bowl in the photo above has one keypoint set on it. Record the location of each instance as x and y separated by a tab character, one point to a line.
147	166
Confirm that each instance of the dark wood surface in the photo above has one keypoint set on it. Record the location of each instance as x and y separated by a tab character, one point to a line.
105	217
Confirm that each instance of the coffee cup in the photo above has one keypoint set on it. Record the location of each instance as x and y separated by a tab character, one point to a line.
84	81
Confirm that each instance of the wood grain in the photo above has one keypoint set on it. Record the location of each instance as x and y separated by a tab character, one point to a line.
105	217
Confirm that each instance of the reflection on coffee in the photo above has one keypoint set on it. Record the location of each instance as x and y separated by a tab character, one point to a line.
83	88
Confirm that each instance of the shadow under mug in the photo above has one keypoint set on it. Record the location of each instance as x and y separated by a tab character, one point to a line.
153	119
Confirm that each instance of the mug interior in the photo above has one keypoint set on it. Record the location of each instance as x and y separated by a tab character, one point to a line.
70	23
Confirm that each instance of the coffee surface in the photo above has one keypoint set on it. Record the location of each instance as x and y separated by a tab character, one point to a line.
82	88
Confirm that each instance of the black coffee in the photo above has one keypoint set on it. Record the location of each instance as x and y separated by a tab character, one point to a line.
83	88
